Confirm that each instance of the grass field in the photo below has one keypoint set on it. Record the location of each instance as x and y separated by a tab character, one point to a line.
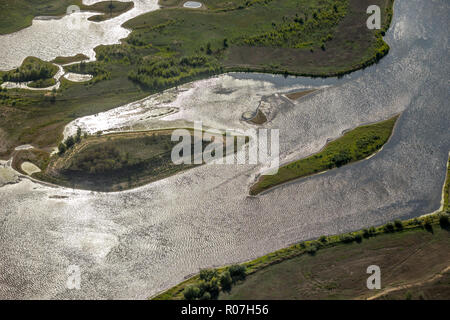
413	255
354	145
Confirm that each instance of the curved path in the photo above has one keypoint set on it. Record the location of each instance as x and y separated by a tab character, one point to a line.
133	244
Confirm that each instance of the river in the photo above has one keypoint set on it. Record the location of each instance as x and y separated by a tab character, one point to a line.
133	244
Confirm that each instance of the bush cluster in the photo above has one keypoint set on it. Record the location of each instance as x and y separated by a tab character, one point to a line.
211	283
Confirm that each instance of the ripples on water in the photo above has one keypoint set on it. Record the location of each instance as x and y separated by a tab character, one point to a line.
133	244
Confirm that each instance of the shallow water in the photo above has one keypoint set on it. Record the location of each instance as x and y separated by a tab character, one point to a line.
67	36
192	4
133	244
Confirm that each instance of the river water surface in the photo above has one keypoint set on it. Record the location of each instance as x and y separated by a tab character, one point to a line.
135	243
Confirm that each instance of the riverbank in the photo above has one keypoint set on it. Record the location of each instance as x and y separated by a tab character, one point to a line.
302	271
175	53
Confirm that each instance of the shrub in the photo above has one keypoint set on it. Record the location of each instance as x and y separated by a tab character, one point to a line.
212	287
69	142
237	272
226	281
347	238
323	239
366	233
61	149
208	274
398	224
444	220
389	227
208	48
191	292
205	296
312	250
358	238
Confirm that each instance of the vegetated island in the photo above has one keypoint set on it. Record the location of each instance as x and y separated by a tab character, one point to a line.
19	14
302	271
111	162
72	59
32	69
354	145
172	46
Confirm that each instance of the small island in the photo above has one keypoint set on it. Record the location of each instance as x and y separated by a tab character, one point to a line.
354	145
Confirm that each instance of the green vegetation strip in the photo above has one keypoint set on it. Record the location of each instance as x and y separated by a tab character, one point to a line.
65	60
199	286
354	145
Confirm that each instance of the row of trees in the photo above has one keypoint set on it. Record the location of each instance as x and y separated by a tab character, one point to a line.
70	142
31	69
211	283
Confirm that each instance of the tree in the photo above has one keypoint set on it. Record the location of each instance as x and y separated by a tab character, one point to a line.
191	293
69	142
208	48
61	149
78	135
226	281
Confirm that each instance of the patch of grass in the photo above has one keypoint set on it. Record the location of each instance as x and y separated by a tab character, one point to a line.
354	145
42	83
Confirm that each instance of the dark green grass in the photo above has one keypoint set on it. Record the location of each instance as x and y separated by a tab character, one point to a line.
354	145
